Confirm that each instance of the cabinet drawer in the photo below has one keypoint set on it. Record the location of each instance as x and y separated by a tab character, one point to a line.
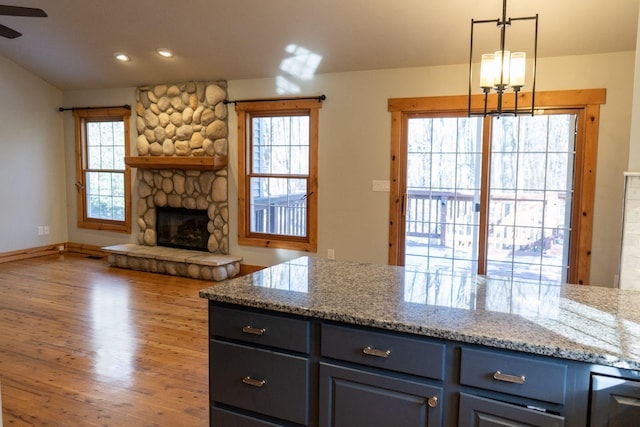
478	411
221	417
381	350
262	381
516	375
260	328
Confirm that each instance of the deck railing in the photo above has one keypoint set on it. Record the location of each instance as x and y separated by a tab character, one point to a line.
286	215
434	214
429	212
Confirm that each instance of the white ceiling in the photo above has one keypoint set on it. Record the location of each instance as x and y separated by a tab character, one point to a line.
237	39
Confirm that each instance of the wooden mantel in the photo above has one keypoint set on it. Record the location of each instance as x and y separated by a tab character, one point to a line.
174	162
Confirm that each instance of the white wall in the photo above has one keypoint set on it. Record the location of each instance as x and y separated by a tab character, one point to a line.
354	149
634	144
32	169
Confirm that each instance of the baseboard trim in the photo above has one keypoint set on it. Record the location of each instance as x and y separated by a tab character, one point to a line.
30	253
84	249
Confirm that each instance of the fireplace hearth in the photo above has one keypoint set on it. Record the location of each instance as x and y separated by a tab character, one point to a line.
182	228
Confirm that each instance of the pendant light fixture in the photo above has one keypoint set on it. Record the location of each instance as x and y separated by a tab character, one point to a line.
503	71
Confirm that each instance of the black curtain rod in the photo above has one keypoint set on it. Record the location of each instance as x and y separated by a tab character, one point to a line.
317	98
127	106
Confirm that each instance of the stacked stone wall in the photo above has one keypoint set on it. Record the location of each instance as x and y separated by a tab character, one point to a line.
183	120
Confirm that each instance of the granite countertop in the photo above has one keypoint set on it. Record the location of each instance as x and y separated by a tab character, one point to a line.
584	323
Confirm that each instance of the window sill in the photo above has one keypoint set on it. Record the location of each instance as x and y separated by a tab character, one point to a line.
277	244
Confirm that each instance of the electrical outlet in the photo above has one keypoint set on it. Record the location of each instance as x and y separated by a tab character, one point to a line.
40	230
46	229
380	185
331	254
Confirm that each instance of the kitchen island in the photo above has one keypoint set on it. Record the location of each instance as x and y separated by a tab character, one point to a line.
318	342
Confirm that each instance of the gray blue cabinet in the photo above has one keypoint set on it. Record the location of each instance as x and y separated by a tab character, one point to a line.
278	369
615	402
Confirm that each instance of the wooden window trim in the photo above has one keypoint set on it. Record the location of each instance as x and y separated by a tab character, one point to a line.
585	103
244	111
80	119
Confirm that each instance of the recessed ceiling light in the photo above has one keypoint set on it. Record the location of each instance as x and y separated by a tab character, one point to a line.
122	57
166	53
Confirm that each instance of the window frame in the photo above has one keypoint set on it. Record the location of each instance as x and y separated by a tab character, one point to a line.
81	118
245	112
586	105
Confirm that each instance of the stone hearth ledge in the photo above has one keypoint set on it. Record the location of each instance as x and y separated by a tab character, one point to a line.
173	261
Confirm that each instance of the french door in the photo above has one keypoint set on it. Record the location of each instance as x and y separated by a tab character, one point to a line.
531	163
506	197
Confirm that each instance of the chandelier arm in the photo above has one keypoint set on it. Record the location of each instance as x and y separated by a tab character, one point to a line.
470	70
525	18
487	21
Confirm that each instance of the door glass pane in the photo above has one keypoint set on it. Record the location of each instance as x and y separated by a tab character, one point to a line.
443	186
530	197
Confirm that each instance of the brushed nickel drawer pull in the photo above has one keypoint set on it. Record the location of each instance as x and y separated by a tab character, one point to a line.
253	382
432	402
515	379
253	331
377	353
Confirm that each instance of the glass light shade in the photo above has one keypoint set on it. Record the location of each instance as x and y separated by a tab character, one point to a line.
518	67
501	64
487	75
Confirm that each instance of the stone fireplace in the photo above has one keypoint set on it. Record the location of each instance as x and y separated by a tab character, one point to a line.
181	166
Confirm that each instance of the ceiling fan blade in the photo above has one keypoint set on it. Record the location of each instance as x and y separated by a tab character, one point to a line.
22	11
8	32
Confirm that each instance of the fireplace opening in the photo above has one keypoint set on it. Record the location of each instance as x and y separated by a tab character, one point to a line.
182	228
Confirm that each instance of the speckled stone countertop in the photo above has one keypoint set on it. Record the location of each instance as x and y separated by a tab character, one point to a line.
585	323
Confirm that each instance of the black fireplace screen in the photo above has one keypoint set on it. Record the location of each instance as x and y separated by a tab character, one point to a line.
182	228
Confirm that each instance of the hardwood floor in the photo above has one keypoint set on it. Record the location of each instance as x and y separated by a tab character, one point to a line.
83	344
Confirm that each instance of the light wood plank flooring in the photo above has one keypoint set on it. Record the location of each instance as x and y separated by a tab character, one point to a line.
84	344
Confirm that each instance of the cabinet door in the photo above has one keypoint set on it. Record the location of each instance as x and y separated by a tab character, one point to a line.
480	412
353	398
615	402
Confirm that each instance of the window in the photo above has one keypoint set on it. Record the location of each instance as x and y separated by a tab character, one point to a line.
520	201
102	179
278	174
